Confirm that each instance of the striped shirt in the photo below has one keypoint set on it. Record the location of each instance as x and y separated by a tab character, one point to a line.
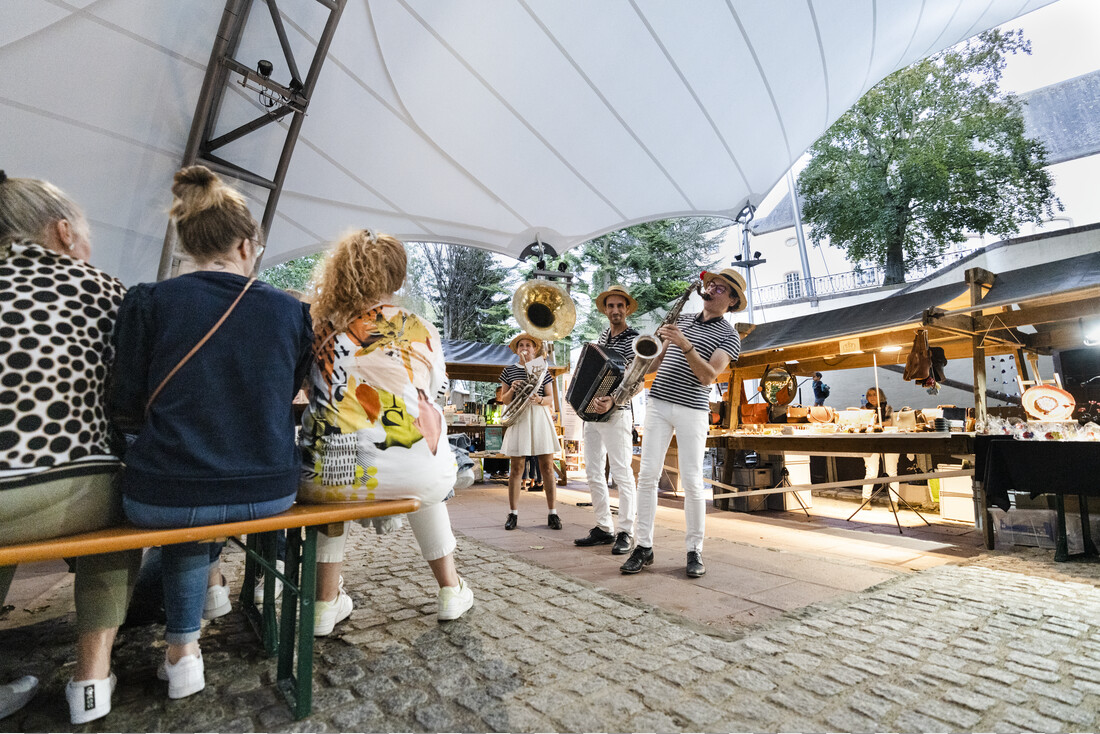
623	343
515	372
675	381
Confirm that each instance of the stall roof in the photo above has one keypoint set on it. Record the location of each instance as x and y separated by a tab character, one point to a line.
1054	294
864	318
477	361
1060	277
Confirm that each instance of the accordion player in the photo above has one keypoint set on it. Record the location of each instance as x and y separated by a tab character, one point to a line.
599	372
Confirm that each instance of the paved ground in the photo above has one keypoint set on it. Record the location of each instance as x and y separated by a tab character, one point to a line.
946	639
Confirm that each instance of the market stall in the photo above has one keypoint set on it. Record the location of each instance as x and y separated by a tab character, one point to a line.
479	362
1045	309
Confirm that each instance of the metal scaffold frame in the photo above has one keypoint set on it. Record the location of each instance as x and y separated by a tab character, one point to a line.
292	99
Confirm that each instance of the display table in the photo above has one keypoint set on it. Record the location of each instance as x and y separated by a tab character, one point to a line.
825	444
1040	467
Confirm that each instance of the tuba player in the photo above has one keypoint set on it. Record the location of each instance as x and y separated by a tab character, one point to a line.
533	433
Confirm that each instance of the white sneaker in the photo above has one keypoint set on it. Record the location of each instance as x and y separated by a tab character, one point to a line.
454	601
89	699
327	614
15	695
185	677
217	601
258	594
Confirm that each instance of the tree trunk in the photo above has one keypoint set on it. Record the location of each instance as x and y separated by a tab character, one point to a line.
895	264
895	254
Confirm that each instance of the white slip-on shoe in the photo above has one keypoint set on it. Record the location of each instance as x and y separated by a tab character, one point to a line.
454	601
15	695
89	699
185	677
217	601
327	614
258	594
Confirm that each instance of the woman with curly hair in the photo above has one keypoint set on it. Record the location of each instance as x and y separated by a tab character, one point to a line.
372	429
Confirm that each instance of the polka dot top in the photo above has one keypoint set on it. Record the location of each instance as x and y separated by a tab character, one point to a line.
56	318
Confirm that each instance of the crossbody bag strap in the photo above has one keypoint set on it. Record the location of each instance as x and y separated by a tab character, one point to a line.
198	346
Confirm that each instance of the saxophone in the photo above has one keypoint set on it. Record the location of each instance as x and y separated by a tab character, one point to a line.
647	349
521	400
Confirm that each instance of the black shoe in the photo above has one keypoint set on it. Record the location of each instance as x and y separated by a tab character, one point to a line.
535	487
596	536
695	567
641	556
510	523
553	521
622	545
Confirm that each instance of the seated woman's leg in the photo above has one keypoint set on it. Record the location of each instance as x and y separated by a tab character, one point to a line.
431	525
103	588
333	605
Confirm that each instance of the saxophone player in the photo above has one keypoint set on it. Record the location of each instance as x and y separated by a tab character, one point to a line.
533	433
697	348
612	438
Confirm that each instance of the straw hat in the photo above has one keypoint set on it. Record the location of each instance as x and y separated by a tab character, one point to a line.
734	280
524	335
617	290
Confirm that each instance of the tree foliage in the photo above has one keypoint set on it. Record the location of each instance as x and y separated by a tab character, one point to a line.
466	288
930	153
655	261
292	274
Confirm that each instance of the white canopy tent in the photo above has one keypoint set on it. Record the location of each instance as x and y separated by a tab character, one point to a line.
483	122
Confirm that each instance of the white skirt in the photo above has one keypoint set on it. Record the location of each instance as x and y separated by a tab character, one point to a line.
532	435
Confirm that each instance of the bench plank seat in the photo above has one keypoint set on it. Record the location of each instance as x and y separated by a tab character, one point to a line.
294	632
129	537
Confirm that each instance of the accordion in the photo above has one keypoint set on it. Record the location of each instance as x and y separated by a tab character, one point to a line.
599	371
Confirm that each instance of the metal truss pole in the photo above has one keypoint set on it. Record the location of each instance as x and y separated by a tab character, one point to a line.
292	99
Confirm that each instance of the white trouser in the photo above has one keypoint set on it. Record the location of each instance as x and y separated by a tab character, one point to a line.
431	526
871	461
662	420
610	439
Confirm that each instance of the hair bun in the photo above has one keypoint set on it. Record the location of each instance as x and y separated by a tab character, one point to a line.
199	177
196	189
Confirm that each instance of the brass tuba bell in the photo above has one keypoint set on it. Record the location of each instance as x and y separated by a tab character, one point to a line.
544	309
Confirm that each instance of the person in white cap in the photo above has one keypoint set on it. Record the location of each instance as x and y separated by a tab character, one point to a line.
698	347
610	440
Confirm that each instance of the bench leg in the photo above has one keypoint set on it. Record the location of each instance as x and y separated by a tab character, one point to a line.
299	592
260	552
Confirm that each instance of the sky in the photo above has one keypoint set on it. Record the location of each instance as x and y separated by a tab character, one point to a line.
1064	45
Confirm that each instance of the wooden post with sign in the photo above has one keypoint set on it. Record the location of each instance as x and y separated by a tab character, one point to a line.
979	281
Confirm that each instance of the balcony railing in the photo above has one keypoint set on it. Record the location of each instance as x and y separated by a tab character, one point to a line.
854	280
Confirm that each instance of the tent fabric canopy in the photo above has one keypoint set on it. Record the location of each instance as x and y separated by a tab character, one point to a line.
490	124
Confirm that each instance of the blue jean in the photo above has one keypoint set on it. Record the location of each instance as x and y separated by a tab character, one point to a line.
186	566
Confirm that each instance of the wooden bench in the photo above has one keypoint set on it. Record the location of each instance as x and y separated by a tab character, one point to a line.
294	632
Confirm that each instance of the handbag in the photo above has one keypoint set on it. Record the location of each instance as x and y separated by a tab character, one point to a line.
918	364
189	355
906	419
797	414
821	414
754	412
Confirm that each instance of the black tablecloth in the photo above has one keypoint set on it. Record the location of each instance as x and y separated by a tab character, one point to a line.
1037	467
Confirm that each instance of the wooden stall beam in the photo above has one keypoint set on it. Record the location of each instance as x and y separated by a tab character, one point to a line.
979	281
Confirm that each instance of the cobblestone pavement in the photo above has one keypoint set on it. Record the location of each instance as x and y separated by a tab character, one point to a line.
1003	643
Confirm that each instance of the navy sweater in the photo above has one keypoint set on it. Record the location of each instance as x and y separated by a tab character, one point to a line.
222	429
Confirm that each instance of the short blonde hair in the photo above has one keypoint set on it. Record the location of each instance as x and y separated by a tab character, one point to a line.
28	206
360	269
